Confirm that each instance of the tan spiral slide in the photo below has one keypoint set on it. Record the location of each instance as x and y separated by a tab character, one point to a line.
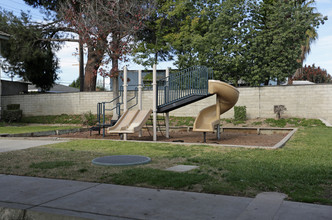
209	117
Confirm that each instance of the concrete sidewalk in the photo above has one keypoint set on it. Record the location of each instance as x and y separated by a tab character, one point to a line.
38	198
11	144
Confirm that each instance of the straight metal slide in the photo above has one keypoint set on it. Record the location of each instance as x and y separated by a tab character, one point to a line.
209	117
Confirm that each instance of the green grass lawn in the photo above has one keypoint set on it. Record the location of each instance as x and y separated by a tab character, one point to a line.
302	169
19	129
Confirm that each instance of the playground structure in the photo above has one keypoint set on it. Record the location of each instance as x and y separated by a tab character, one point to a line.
169	93
209	118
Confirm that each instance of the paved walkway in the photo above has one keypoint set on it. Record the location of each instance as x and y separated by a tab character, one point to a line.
11	144
40	198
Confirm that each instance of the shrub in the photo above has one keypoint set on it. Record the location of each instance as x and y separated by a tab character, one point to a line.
88	119
314	74
279	110
13	113
240	113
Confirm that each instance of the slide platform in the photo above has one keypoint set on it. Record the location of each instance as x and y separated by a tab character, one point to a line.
209	117
130	122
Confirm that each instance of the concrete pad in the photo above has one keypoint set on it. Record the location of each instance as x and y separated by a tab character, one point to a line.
182	168
263	207
303	211
10	144
142	203
35	191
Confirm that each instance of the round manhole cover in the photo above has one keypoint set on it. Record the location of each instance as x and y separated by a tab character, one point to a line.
121	160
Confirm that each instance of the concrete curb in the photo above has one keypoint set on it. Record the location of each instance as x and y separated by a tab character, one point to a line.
276	146
46	133
327	124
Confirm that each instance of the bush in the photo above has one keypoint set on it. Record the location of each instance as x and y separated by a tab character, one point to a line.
12	115
88	119
314	74
240	113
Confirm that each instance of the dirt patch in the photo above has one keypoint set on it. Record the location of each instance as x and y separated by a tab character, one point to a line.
182	136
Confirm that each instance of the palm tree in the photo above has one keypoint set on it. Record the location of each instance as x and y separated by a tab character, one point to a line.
311	36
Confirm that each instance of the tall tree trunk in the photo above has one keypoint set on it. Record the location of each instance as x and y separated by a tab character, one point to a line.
115	85
95	57
115	75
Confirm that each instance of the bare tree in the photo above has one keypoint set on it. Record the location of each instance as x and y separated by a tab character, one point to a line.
107	27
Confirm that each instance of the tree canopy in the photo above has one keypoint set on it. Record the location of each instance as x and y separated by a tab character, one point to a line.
26	53
255	41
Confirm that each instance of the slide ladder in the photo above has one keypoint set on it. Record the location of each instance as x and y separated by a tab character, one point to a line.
183	88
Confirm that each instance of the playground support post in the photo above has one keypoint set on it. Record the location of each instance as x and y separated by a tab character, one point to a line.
125	86
167	113
140	95
154	107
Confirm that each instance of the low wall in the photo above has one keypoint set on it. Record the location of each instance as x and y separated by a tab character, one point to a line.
307	101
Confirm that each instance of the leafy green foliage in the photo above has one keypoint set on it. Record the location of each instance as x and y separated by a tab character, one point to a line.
249	40
26	52
75	83
53	119
12	115
240	113
296	122
88	118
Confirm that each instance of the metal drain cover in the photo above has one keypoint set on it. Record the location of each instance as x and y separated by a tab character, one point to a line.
121	160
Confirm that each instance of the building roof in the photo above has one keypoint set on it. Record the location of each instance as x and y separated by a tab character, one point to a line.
57	88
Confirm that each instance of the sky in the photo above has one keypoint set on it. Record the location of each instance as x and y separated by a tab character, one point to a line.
320	55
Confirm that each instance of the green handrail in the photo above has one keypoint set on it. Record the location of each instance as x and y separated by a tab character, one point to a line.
181	85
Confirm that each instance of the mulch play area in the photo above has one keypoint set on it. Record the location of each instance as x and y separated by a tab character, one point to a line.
247	136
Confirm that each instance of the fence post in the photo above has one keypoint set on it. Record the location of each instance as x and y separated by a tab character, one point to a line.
125	85
167	98
154	107
140	95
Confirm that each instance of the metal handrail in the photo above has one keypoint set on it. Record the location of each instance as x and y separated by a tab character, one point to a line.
186	83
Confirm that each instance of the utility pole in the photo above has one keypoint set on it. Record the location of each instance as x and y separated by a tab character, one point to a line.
81	57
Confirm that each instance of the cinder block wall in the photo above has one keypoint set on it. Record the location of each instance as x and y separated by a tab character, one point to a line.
308	101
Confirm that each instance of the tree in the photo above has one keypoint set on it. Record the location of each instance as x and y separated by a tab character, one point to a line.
311	36
75	83
314	74
26	53
150	43
225	46
279	32
172	30
106	27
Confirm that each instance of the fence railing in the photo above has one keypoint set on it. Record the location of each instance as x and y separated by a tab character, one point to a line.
102	107
186	83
